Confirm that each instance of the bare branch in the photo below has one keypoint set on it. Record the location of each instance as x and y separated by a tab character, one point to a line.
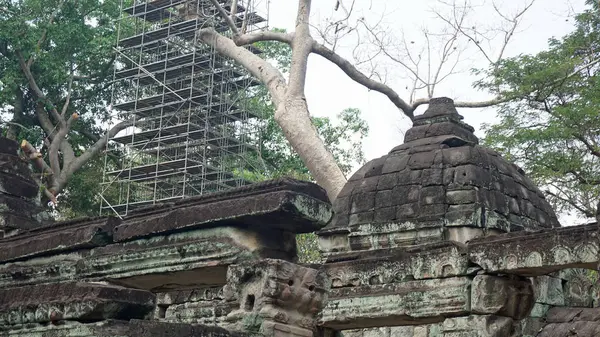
258	67
69	92
246	39
301	48
359	77
36	90
246	17
91	152
459	104
38	161
233	12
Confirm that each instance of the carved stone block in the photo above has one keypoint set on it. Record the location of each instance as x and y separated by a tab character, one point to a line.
279	297
400	303
538	252
133	328
548	290
72	302
436	260
501	296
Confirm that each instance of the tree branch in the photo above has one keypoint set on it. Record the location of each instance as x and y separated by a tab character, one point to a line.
250	38
78	162
228	19
584	211
301	48
26	68
259	68
47	174
360	78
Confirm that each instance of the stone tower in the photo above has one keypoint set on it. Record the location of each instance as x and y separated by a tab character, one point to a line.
439	185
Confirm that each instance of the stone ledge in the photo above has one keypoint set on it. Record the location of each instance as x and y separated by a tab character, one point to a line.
197	257
115	328
72	302
406	303
284	210
538	252
280	205
66	236
437	260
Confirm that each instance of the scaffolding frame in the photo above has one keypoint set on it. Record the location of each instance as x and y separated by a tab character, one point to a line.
192	132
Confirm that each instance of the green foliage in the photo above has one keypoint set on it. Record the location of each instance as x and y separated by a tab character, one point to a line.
551	126
78	40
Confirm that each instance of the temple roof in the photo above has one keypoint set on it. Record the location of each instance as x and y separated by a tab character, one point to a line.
441	176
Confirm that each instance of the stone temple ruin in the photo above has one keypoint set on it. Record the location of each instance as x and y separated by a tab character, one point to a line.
439	238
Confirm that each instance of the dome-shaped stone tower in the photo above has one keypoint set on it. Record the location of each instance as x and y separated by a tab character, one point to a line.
438	185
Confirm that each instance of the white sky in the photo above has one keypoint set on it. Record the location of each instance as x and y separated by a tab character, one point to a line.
329	90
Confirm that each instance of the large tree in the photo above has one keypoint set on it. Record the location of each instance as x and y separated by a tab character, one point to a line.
55	56
55	52
287	92
551	126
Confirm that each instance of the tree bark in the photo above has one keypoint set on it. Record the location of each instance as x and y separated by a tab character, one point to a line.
294	119
291	114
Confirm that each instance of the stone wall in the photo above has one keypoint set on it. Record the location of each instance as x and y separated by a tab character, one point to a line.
225	264
216	265
505	285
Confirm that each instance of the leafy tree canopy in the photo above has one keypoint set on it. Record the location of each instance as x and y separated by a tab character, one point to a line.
550	124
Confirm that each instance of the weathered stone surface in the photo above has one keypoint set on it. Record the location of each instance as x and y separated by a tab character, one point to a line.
17	212
114	328
478	326
530	327
440	175
194	258
283	204
72	302
471	326
539	252
436	260
548	290
410	302
56	268
279	297
61	237
209	313
501	296
579	286
583	322
19	207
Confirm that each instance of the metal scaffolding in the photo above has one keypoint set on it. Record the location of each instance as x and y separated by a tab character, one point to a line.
192	131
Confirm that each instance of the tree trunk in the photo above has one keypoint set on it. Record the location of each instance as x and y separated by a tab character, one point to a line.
294	120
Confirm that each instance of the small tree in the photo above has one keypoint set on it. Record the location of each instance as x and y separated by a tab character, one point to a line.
55	57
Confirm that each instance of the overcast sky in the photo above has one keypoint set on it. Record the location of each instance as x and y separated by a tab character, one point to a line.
329	90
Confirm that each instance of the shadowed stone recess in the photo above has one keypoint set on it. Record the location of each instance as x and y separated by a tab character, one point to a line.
19	193
439	185
72	301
